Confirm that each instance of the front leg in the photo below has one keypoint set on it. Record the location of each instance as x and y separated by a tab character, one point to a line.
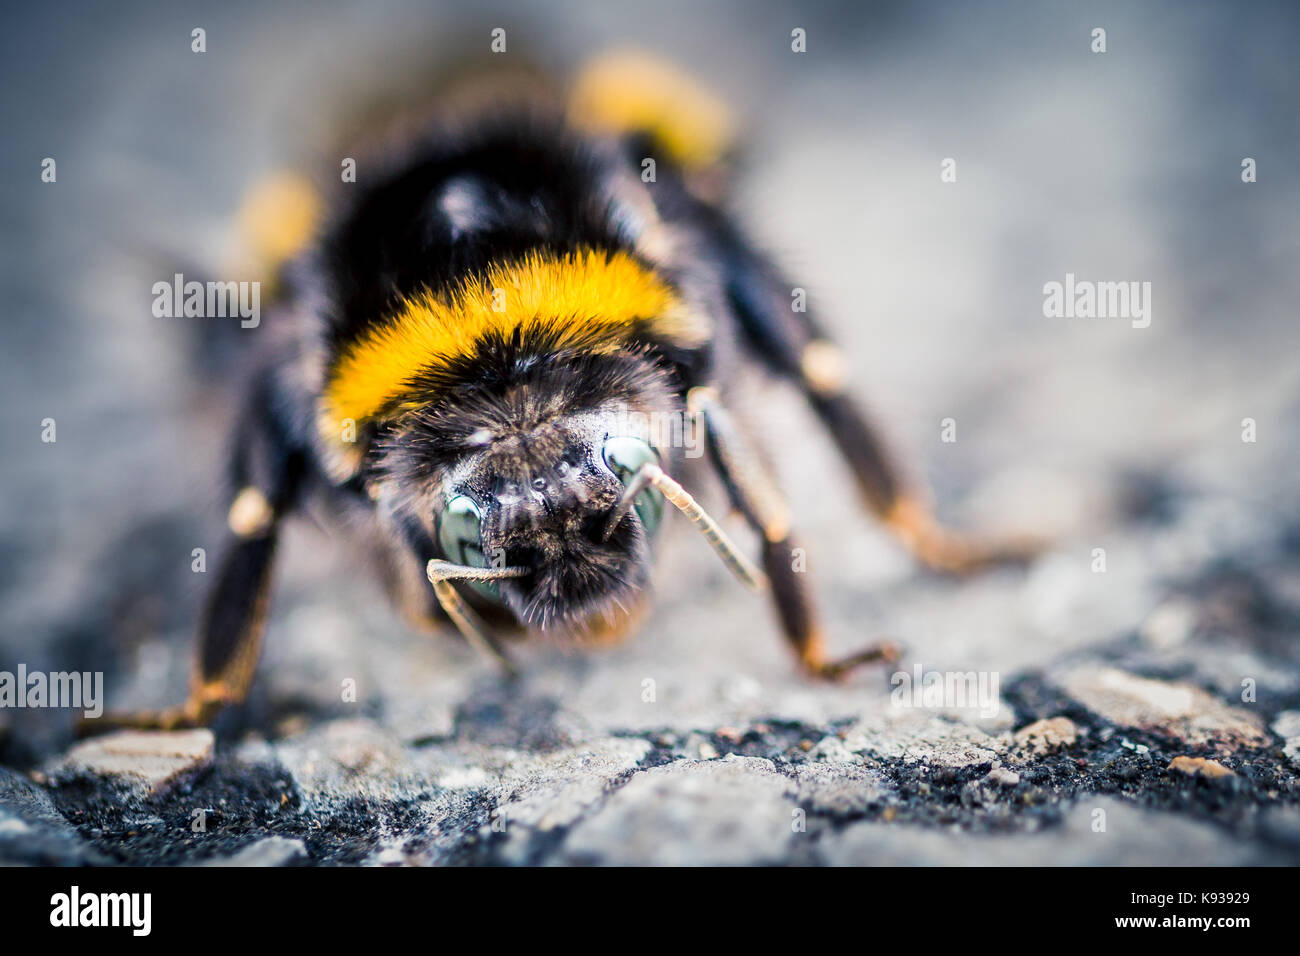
267	469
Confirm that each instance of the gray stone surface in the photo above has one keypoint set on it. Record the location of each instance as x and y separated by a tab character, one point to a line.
1177	709
33	832
272	851
725	812
1131	837
140	764
1287	726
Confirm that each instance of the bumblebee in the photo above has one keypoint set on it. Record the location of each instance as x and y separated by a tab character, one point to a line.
468	355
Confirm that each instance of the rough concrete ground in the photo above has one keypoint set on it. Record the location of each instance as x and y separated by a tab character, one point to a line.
1147	713
1136	750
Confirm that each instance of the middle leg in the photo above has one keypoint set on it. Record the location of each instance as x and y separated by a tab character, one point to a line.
753	491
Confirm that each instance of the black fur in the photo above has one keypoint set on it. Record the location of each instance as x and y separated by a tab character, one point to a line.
467	195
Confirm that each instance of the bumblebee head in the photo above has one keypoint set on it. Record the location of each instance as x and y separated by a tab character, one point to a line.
526	471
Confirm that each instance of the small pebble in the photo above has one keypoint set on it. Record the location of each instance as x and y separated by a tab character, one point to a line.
1043	737
1200	767
1003	777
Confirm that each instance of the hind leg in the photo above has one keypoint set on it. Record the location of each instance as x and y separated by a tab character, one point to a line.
793	346
902	508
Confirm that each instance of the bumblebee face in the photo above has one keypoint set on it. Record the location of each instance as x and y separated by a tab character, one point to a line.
519	462
542	502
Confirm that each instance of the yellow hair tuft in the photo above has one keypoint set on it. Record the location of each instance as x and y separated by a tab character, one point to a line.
278	218
630	91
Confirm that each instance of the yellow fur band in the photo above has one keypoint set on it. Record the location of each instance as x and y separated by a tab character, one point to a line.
578	299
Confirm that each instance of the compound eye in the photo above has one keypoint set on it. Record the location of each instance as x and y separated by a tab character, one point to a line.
460	534
624	457
460	530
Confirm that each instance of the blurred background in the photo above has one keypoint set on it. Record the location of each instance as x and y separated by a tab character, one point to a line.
1117	166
